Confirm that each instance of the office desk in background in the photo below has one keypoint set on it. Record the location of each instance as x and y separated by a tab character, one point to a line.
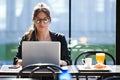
115	71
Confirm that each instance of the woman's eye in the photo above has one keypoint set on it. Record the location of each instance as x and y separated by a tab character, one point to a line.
45	19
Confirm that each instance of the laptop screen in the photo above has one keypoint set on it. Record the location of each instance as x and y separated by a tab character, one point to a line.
41	52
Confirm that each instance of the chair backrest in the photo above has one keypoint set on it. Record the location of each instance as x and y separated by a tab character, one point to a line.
86	54
35	67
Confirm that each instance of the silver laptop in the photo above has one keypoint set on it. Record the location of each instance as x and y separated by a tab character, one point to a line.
41	52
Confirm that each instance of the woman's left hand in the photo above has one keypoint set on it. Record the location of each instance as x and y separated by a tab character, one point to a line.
63	63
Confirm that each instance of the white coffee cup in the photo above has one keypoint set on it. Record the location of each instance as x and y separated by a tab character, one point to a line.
87	62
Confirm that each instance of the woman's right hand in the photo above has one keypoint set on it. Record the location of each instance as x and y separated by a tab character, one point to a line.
19	62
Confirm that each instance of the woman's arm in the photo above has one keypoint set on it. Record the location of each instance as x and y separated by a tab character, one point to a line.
19	53
65	53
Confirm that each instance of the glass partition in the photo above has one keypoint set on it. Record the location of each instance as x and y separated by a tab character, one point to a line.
16	18
93	24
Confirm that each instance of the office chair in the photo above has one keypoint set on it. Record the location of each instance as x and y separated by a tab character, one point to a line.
86	54
35	67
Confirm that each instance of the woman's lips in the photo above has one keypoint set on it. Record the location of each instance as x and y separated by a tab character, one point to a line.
41	26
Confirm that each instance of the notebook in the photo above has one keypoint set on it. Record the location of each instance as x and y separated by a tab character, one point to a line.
41	52
10	68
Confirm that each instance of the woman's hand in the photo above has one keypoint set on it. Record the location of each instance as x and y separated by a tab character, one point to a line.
63	63
19	62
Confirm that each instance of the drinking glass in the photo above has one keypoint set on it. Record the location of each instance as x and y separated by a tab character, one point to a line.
100	57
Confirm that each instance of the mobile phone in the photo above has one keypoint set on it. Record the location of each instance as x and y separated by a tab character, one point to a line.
14	67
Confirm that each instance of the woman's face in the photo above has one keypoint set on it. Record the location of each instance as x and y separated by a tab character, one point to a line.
41	21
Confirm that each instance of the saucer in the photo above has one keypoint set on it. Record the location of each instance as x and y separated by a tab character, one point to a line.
87	67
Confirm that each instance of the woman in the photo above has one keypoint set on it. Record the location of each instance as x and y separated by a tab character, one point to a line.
40	32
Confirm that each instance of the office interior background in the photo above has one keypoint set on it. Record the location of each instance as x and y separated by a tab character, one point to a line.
91	25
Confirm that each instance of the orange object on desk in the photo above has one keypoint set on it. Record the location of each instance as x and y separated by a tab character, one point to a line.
100	66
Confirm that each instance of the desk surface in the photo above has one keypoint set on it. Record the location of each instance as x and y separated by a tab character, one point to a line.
16	79
115	70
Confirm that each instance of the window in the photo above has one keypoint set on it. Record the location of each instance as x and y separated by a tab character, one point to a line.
92	22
